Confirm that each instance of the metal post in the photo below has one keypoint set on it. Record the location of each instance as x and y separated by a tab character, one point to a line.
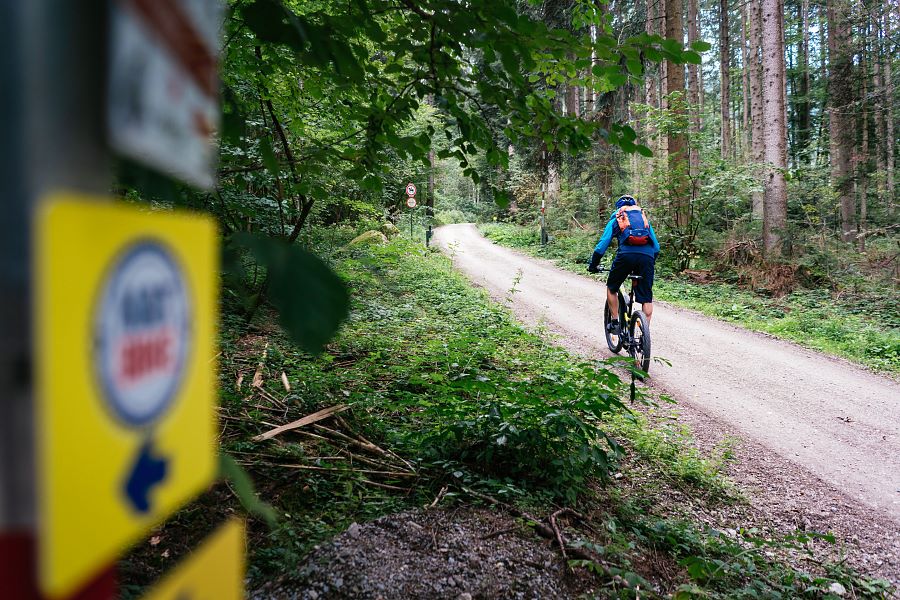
543	219
51	136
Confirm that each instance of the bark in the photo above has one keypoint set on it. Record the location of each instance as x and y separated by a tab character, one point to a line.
775	131
890	135
572	108
694	97
803	107
724	77
429	199
878	108
862	162
745	83
756	103
840	87
677	148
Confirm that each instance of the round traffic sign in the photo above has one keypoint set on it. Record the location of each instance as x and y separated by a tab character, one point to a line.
411	189
141	332
411	202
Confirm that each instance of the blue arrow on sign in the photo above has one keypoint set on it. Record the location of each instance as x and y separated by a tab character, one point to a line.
148	472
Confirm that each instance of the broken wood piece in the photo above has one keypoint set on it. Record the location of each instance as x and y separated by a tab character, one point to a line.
307	420
285	382
384	485
396	474
540	528
363	440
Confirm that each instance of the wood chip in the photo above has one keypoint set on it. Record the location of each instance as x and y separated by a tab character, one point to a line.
240	380
314	417
285	382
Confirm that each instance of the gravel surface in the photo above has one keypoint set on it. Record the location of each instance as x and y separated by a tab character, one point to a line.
462	554
819	437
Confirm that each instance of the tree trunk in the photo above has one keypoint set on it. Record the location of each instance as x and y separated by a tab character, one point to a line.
572	108
694	97
862	162
878	109
840	122
724	77
745	83
677	150
890	135
429	199
756	103
803	107
775	131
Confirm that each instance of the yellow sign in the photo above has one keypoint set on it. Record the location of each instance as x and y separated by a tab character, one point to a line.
126	300
215	571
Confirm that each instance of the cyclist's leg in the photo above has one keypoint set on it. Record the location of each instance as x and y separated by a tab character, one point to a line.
618	271
643	291
612	300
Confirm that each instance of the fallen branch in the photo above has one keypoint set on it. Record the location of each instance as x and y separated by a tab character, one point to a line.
364	445
559	536
540	528
347	470
307	420
384	485
363	440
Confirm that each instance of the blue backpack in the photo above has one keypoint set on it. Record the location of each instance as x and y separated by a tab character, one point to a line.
634	227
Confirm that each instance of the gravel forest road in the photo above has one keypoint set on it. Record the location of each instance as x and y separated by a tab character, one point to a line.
835	420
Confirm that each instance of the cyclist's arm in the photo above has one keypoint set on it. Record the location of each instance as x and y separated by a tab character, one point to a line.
606	238
655	242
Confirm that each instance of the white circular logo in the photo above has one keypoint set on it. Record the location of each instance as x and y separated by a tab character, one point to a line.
410	189
141	333
411	202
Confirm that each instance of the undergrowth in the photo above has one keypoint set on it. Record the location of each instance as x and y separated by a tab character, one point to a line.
859	321
437	377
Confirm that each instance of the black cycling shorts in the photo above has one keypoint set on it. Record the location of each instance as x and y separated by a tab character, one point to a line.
633	263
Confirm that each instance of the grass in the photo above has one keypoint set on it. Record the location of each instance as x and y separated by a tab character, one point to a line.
435	373
856	324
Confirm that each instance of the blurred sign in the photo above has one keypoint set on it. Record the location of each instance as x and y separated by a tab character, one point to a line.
126	315
163	85
411	202
411	189
215	571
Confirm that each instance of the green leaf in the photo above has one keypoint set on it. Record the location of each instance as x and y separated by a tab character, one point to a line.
644	150
311	299
230	470
268	157
692	57
635	67
701	46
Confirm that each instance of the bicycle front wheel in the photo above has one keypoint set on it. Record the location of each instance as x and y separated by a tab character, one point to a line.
640	335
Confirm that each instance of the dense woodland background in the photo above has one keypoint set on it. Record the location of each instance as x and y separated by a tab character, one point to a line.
761	135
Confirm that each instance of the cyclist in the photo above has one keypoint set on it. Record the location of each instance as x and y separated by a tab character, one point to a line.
638	249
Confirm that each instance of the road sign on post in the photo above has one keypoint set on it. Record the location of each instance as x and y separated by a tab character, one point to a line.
163	85
411	189
411	202
125	307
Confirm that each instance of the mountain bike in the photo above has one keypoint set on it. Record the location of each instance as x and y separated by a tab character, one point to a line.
634	328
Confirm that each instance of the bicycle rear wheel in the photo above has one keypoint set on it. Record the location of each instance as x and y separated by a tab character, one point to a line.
640	334
614	342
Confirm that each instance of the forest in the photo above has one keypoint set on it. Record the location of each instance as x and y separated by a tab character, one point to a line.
761	138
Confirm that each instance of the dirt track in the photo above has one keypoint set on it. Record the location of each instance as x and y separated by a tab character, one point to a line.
833	420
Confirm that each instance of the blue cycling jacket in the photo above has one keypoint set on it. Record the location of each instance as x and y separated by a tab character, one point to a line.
612	228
